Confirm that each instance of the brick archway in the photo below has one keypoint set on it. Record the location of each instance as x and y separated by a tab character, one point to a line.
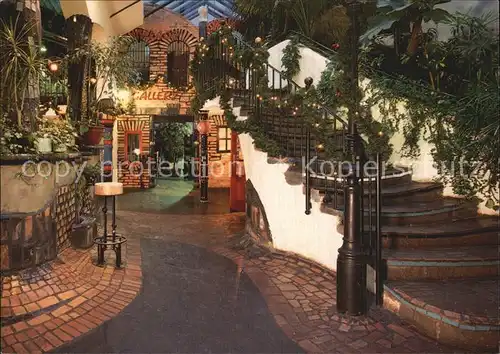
181	35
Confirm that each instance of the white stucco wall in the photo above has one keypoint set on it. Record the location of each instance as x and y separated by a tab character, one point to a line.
311	63
312	236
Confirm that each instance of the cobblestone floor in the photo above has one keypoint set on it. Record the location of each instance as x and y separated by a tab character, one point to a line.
300	296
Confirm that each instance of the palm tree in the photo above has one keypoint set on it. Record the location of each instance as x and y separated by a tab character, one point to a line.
397	16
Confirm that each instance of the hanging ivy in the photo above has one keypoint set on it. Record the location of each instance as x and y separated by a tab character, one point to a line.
290	60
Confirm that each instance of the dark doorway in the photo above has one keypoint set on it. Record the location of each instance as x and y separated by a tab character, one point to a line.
173	146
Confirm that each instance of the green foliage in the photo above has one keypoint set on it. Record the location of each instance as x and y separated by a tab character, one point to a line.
290	60
115	67
456	109
59	130
15	139
21	68
394	17
170	140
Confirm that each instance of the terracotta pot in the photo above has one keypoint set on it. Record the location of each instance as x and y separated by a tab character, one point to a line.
93	136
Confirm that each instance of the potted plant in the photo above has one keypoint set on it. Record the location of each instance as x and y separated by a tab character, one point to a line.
62	134
84	229
114	70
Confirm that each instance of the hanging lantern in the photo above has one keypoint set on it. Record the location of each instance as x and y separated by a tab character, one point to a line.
203	126
258	40
53	67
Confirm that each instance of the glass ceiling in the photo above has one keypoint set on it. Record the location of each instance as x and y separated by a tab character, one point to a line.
189	8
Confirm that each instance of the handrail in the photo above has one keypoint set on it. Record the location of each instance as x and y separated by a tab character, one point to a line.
296	85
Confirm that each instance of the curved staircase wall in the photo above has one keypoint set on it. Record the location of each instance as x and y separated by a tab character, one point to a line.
312	236
312	64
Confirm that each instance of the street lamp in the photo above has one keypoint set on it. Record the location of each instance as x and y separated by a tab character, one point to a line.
351	263
203	128
203	12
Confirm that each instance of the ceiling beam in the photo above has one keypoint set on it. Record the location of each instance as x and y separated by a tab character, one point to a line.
191	15
215	13
228	4
124	8
222	10
183	7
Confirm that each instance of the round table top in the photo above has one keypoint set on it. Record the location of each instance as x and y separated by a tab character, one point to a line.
108	188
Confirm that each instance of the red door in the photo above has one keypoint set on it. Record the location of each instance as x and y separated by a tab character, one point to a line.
238	179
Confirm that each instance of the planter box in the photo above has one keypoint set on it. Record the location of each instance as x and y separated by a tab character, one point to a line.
43	145
84	232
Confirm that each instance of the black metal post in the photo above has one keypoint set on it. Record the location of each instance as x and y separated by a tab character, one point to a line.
308	82
100	247
378	247
113	225
351	262
308	171
204	160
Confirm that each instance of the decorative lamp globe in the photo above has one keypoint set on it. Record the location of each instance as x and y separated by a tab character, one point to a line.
203	12
53	67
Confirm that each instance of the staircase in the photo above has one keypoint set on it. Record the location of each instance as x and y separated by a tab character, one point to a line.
440	258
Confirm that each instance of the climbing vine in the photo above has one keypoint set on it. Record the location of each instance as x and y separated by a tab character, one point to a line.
290	60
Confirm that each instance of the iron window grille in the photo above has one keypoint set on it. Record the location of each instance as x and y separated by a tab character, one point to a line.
223	139
139	55
178	63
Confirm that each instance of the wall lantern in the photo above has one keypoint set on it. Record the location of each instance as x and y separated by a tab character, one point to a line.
203	126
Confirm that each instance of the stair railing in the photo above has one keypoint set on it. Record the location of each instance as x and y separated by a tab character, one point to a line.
300	141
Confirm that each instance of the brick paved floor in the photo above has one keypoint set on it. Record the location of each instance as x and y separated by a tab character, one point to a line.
51	305
300	295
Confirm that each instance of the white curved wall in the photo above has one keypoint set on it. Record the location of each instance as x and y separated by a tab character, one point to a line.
312	236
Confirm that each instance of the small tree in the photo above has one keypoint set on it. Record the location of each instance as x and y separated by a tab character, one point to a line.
170	140
20	68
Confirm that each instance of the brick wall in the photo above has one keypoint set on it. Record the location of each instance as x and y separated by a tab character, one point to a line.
158	37
219	163
130	173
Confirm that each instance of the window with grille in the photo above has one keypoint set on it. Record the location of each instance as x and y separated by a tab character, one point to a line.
178	63
224	139
139	55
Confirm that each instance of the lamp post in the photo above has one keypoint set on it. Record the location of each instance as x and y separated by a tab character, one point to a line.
203	128
351	264
203	12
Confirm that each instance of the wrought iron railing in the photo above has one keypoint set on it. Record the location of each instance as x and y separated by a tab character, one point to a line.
299	139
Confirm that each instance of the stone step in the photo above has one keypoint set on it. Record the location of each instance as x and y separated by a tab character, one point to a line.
442	262
460	312
421	213
481	230
390	195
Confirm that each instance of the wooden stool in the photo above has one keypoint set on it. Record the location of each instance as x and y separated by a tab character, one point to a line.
113	241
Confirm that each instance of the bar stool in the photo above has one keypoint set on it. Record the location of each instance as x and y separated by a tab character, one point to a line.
106	241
